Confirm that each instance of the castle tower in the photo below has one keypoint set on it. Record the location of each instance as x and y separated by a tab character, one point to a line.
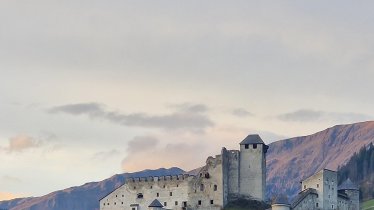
252	167
352	191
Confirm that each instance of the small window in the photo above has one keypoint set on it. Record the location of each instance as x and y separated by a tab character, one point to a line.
123	196
316	204
115	203
116	196
215	187
139	195
177	185
211	202
176	203
184	203
158	194
254	146
134	188
201	187
122	203
199	202
165	204
332	206
164	186
151	187
304	187
133	208
171	193
246	146
317	185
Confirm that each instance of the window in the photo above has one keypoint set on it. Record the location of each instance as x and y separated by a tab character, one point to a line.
177	185
133	208
158	194
164	186
304	187
139	195
316	204
246	146
116	196
122	203
165	204
199	202
254	146
123	196
115	203
211	201
317	185
201	187
176	203
215	187
151	187
184	203
332	206
134	188
171	193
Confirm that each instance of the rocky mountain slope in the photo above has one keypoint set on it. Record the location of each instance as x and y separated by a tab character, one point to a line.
288	162
291	160
84	197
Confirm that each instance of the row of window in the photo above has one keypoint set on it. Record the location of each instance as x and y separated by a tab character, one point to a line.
254	146
151	187
176	203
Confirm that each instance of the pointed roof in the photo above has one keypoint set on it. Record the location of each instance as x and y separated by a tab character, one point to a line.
155	203
281	199
252	139
348	185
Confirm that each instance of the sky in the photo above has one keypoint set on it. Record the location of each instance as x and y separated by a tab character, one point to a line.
89	89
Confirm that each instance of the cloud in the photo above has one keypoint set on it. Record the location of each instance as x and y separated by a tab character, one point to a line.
20	143
147	153
7	196
308	115
240	112
142	143
194	108
13	179
190	118
105	155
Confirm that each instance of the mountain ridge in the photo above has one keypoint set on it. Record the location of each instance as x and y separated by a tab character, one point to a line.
288	162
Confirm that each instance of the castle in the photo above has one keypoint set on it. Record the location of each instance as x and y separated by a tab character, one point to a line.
321	192
231	175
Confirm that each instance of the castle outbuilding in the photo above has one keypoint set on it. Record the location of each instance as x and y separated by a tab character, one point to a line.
321	192
231	175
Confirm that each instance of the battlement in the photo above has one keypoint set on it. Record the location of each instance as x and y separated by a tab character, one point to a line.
157	178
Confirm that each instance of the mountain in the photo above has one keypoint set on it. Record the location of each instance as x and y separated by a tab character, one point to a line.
85	197
288	162
291	160
360	169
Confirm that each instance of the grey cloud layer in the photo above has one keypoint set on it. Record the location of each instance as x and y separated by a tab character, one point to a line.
192	119
308	115
240	112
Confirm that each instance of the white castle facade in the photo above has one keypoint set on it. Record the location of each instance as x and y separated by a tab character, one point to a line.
228	176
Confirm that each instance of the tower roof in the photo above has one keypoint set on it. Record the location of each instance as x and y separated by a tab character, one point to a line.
281	199
252	139
348	185
155	203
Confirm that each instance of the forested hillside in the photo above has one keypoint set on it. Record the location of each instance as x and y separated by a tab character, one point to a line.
360	169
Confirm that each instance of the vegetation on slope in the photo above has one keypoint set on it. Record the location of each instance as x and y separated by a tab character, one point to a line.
368	205
360	169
